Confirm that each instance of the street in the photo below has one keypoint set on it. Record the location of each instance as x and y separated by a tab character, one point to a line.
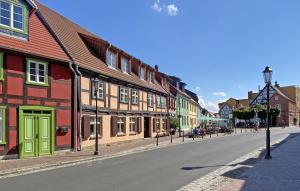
164	169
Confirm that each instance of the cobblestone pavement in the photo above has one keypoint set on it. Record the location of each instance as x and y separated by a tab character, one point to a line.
281	173
252	172
10	168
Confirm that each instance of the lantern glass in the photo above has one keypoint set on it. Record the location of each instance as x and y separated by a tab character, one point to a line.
268	75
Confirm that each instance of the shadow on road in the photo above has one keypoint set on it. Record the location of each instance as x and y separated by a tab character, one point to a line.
238	173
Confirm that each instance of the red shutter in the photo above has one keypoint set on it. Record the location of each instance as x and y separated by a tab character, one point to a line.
86	127
114	126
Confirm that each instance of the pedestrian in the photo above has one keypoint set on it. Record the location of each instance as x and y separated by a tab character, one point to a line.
256	126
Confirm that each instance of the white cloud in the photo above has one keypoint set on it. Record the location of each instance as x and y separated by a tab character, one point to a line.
172	10
209	105
157	6
198	89
222	100
222	94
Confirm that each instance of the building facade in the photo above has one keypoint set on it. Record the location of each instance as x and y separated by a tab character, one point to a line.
35	85
132	104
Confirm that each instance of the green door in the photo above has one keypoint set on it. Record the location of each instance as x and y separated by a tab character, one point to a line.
44	138
29	136
37	135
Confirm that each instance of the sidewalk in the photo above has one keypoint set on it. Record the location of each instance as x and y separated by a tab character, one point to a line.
281	173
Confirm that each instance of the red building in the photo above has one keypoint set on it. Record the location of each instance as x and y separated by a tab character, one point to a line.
35	87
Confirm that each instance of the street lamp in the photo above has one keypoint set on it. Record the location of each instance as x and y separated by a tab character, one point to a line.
179	117
96	89
268	78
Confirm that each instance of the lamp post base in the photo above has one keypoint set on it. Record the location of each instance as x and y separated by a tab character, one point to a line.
96	153
268	157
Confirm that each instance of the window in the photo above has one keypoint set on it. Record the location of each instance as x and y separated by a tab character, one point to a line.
157	125
100	90
2	125
135	97
121	125
111	59
164	124
142	73
11	15
150	100
278	106
124	95
276	98
150	76
158	101
37	72
133	124
93	126
125	65
163	102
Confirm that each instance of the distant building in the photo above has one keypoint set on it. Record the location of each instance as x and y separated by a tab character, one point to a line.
226	108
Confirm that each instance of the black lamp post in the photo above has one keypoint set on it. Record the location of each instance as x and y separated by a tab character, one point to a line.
179	117
96	89
268	78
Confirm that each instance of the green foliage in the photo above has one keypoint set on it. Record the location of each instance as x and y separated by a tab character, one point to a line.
174	122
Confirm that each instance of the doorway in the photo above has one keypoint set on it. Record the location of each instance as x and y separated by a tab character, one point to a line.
147	127
36	137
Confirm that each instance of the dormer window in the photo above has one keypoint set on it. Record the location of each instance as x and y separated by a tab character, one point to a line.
111	59
13	17
142	73
125	65
150	76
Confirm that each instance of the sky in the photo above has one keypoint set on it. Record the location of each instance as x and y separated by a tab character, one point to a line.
218	47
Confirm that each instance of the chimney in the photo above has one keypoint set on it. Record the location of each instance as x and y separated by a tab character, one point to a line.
156	67
277	85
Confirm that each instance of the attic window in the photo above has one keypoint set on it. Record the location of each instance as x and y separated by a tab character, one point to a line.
12	16
142	73
150	77
125	65
111	59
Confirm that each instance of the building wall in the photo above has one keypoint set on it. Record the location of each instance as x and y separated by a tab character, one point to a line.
14	92
183	111
110	106
193	114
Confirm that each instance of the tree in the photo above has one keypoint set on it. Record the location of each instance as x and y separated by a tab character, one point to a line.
174	122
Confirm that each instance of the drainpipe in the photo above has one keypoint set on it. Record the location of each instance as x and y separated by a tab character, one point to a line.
79	90
75	105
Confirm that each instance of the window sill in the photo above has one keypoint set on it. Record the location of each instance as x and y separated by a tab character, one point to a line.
121	134
93	137
124	102
2	143
133	133
37	84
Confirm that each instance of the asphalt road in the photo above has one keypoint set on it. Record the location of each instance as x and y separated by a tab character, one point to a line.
160	170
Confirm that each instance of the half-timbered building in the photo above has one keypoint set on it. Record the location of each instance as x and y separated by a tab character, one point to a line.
35	84
131	103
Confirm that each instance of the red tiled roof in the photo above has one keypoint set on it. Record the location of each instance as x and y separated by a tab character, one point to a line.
70	35
41	43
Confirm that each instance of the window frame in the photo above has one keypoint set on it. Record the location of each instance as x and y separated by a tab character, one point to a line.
142	77
3	138
93	90
158	101
11	17
131	123
37	63
119	122
150	101
93	135
122	93
134	97
110	59
150	77
128	65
